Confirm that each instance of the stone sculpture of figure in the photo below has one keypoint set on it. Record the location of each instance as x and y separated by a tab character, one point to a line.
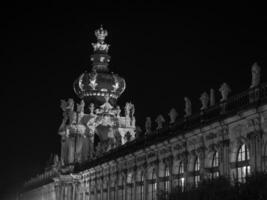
56	160
188	107
63	106
212	97
70	105
204	98
255	73
92	108
225	90
127	109
118	111
70	110
160	120
173	115
148	125
132	110
80	107
106	107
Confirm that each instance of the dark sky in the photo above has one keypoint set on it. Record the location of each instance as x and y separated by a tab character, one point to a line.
164	51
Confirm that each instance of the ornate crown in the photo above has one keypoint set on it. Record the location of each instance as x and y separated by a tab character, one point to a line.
101	34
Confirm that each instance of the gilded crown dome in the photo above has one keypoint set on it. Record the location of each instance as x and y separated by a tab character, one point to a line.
95	85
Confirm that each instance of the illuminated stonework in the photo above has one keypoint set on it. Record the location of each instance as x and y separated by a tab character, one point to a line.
101	159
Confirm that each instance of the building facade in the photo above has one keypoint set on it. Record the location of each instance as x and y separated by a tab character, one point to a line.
104	156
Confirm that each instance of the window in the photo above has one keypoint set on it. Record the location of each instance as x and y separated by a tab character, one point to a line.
130	186
181	178
215	165
105	191
112	191
140	186
196	171
152	186
99	190
121	188
166	179
243	167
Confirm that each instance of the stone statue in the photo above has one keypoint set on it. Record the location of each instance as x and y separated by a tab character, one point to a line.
106	107
132	110
63	106
80	107
56	160
188	107
70	110
255	73
204	98
92	108
225	90
70	105
160	120
212	97
173	115
148	125
118	111
127	109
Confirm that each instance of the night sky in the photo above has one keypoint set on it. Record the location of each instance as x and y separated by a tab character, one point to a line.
164	51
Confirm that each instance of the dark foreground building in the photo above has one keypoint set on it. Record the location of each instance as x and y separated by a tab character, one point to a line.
104	156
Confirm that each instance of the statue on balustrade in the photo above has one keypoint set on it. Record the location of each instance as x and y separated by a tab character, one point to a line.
225	91
173	115
188	107
255	73
204	98
159	120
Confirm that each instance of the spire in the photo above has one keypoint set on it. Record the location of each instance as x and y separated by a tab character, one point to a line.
100	58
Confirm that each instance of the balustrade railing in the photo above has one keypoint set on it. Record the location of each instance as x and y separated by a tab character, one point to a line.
251	97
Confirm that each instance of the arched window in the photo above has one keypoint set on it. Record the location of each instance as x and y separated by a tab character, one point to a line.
181	178
166	179
105	190
121	188
99	189
196	171
140	186
215	165
152	186
243	167
130	186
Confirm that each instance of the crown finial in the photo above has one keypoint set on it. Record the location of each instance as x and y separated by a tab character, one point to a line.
101	46
101	34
